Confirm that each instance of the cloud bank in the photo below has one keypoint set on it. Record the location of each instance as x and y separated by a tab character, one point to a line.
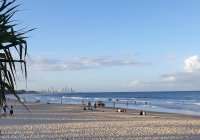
82	63
190	73
187	79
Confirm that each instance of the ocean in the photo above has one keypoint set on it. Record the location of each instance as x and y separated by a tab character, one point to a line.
182	102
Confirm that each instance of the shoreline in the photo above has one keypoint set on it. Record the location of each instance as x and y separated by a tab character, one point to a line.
147	101
129	109
14	101
64	121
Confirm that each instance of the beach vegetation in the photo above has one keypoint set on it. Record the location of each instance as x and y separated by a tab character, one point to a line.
13	49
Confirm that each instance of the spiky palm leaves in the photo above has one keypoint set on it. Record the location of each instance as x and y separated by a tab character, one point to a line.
11	41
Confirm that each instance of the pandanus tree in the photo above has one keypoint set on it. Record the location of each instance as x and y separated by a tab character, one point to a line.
12	42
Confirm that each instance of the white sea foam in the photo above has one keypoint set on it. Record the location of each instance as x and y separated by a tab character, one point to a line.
196	103
77	98
170	102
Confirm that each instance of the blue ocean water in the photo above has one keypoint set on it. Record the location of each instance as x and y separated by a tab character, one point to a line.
183	102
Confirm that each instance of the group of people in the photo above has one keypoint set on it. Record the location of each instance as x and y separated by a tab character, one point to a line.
121	110
89	106
5	107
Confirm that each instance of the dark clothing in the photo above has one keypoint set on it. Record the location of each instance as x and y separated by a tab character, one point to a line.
4	108
11	112
95	105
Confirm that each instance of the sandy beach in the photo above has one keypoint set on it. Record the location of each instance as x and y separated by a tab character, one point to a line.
71	122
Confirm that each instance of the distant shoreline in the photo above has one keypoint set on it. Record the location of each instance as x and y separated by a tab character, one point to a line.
40	92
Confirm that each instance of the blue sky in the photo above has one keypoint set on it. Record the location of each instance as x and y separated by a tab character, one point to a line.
112	45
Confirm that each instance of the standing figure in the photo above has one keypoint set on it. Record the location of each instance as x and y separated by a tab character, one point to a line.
127	104
11	110
114	104
4	109
95	105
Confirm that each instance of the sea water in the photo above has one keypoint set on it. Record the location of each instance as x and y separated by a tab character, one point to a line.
182	102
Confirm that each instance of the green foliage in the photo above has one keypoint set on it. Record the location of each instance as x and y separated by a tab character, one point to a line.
11	41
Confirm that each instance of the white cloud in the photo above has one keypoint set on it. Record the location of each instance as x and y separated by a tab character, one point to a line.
186	79
190	73
134	83
81	63
170	78
192	64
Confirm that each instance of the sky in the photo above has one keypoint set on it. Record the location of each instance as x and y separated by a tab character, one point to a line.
112	45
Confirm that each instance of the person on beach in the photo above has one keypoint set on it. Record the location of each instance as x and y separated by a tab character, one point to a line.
142	113
4	110
11	110
95	105
114	104
84	108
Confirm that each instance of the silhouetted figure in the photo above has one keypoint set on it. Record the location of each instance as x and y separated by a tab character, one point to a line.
95	105
4	109
127	104
113	104
11	111
89	106
142	113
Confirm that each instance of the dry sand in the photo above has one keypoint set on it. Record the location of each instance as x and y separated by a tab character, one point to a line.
59	121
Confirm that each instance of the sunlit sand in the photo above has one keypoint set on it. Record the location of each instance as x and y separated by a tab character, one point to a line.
59	121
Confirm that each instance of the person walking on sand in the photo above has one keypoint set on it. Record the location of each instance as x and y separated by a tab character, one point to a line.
4	109
11	110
